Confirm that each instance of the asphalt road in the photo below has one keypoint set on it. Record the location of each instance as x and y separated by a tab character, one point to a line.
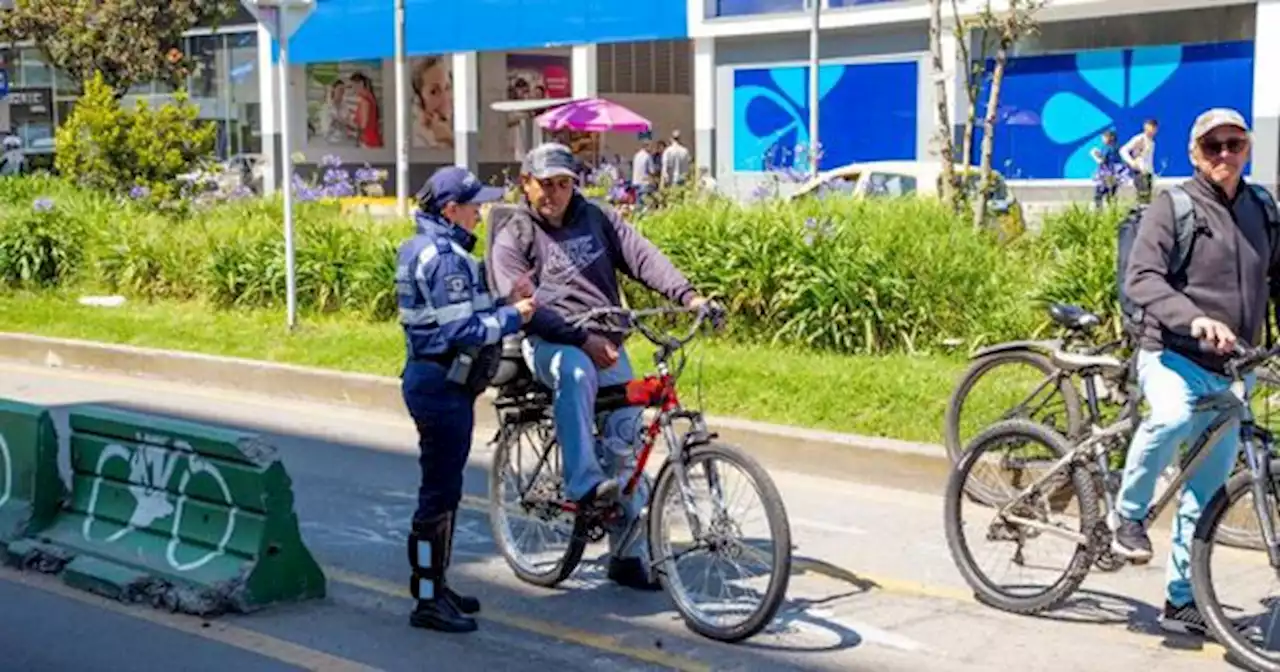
873	587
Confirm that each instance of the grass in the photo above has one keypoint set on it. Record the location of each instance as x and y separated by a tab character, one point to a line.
899	396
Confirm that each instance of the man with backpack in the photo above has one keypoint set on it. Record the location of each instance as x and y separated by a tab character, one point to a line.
1201	267
575	249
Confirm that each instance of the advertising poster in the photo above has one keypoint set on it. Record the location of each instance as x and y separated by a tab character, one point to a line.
534	77
344	105
431	86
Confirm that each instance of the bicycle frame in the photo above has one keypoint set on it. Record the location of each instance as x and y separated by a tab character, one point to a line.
1231	404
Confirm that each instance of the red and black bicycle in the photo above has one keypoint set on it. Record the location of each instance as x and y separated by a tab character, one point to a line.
692	527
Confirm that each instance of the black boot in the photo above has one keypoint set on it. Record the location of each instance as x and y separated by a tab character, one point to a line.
465	603
434	610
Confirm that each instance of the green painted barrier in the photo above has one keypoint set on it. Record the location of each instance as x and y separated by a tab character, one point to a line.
187	516
30	489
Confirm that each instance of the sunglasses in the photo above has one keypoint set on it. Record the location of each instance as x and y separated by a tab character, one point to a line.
1232	145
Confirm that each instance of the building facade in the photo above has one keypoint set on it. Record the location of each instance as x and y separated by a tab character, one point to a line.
1095	65
734	72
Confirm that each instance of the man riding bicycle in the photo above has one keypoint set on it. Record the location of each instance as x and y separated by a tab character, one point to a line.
574	249
1192	320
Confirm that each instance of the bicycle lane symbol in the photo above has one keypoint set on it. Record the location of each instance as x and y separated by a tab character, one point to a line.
151	471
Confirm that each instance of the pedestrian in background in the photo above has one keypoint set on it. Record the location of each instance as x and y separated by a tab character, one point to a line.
453	332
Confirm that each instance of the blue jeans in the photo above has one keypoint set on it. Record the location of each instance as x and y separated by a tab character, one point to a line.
574	379
1172	384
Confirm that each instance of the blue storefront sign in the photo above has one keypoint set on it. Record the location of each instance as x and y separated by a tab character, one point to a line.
867	112
1054	108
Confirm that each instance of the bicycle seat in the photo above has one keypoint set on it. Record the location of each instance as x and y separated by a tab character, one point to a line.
1073	317
1074	361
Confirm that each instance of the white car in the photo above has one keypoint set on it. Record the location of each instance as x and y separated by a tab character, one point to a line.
900	178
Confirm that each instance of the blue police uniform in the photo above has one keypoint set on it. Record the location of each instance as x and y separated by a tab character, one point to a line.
449	319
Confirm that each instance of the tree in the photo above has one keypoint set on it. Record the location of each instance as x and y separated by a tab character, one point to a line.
942	122
1016	22
966	30
128	41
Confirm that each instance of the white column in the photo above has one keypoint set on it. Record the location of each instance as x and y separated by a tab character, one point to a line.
704	102
585	71
1266	95
402	114
267	96
466	109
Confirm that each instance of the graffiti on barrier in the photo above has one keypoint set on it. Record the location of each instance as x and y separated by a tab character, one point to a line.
153	467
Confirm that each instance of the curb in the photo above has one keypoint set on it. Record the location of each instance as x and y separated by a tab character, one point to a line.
850	456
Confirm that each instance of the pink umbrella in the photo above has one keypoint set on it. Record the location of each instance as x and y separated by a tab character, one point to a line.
593	115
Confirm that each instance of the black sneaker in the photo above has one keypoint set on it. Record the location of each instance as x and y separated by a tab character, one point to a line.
1184	620
1131	541
631	573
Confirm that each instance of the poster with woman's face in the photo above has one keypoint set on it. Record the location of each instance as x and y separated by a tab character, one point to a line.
431	89
344	106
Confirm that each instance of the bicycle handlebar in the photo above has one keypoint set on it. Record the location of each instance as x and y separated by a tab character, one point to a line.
668	342
1245	359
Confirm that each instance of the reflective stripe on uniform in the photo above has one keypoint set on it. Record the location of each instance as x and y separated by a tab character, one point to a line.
492	329
418	317
482	302
454	312
425	257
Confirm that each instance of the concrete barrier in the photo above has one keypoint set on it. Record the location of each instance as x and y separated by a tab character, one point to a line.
30	490
183	515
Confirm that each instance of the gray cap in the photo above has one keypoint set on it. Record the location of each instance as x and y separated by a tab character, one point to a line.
550	159
1216	118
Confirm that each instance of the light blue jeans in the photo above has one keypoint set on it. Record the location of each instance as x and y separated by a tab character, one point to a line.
1172	384
574	379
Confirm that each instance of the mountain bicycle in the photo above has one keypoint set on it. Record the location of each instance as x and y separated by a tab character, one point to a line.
1085	469
1073	366
689	487
1055	399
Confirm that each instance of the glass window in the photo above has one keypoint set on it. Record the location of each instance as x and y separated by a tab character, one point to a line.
33	69
890	184
245	98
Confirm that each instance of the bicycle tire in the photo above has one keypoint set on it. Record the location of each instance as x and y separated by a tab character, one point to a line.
1202	570
577	545
1083	489
779	527
1239	537
981	366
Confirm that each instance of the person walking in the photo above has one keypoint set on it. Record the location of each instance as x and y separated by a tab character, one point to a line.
453	331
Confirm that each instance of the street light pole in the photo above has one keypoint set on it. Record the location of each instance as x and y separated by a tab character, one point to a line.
815	42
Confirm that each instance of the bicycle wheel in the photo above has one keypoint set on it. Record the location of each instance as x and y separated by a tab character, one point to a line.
1240	527
1238	571
536	498
1044	448
1053	401
724	537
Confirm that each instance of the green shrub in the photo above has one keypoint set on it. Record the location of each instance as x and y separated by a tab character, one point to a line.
104	146
855	276
41	245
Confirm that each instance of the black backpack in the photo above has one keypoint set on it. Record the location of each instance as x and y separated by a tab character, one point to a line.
1185	220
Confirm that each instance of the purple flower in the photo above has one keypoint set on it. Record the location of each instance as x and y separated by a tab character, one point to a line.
139	192
335	175
43	205
331	161
367	174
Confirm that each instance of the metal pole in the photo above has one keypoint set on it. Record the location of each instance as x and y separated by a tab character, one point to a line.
402	117
814	46
287	177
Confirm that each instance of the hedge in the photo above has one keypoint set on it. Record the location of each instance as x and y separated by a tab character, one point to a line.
870	276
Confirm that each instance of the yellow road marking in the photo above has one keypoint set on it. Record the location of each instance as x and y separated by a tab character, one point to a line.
221	632
581	637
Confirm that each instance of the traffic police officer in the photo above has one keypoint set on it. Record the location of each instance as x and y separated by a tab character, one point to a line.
453	331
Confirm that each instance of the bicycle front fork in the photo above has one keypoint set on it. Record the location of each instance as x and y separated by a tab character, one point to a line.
1258	456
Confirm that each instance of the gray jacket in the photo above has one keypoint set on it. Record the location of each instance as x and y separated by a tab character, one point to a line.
1226	278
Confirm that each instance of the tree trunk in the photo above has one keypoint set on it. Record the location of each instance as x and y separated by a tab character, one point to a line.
942	123
989	131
